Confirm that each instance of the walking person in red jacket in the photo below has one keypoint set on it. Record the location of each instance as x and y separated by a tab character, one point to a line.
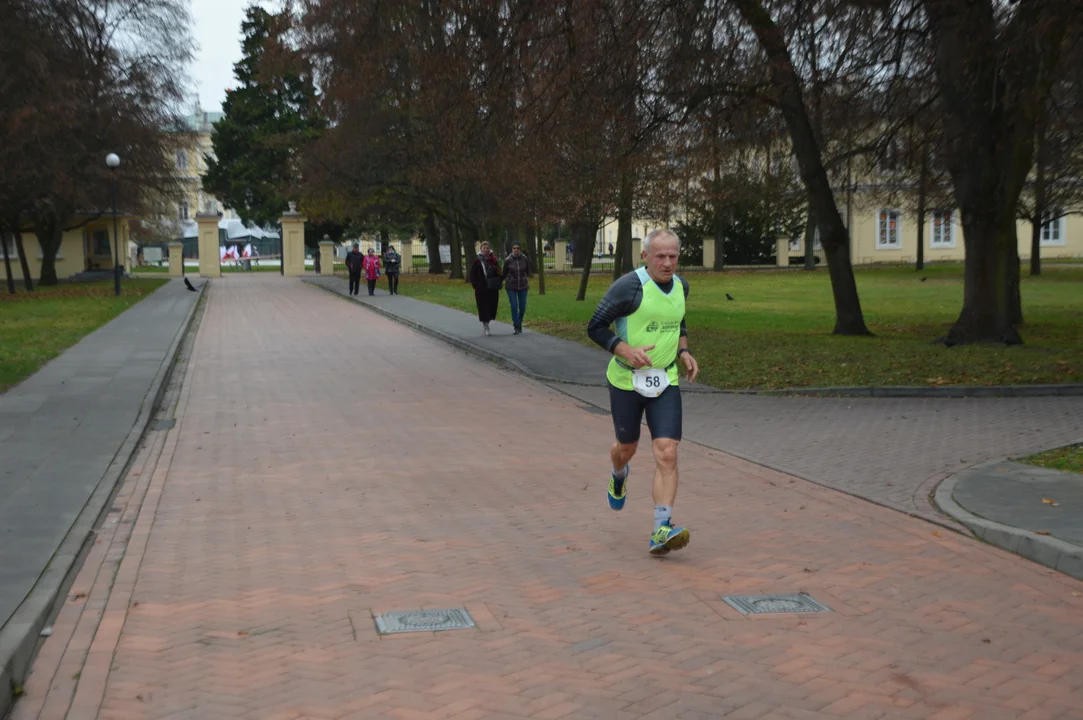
371	266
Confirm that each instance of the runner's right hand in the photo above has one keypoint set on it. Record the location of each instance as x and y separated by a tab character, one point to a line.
636	357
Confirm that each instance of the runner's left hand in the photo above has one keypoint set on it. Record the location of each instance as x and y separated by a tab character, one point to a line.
691	367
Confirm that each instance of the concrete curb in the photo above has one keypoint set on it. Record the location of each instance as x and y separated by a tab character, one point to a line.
20	636
476	350
1043	549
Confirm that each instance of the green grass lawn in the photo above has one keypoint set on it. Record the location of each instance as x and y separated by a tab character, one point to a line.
776	333
36	327
1068	458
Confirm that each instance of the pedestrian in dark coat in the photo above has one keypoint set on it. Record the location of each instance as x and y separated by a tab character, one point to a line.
392	264
354	261
484	275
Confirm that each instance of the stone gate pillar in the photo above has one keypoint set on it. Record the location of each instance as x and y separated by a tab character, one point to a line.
637	253
782	252
560	255
176	259
293	242
210	262
708	253
407	252
327	257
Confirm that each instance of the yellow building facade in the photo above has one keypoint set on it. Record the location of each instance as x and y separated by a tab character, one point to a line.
82	249
189	161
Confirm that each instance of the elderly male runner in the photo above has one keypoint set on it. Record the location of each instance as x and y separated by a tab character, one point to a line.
647	309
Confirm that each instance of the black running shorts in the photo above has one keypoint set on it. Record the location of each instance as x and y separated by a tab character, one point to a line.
663	414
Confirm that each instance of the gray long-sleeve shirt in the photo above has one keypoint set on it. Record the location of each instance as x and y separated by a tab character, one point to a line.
621	300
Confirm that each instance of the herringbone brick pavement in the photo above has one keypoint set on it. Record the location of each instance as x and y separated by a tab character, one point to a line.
893	451
328	464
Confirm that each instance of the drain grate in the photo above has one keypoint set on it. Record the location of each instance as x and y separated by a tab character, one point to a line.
403	621
165	424
767	604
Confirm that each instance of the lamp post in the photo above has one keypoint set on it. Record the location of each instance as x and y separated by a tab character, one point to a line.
113	161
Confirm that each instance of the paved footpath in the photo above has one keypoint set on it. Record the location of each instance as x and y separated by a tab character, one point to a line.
65	435
328	464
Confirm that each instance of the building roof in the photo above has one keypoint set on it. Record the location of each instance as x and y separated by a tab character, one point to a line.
201	121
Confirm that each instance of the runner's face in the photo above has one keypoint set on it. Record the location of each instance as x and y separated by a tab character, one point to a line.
515	251
662	258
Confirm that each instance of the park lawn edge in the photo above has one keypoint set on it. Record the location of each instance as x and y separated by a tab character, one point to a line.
43	339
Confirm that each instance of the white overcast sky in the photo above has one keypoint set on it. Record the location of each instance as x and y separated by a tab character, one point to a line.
216	29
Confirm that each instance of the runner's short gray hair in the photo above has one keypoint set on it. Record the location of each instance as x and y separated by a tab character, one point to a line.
661	232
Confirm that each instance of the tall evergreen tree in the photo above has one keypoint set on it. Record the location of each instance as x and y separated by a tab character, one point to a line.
266	119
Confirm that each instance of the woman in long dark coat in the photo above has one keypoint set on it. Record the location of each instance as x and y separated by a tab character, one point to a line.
484	275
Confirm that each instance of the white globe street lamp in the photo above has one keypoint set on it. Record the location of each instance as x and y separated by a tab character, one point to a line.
112	160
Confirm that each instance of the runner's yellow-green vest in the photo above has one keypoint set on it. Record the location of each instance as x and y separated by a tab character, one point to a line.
656	322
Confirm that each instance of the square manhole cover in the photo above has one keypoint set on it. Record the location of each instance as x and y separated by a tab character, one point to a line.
768	604
165	424
402	621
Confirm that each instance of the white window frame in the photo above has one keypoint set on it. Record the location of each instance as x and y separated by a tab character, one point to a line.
183	211
182	160
942	245
880	244
1052	231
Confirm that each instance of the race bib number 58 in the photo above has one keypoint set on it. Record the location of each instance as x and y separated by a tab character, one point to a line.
650	382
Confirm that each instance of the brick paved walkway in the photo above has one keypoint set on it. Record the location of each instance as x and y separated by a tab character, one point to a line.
328	463
892	451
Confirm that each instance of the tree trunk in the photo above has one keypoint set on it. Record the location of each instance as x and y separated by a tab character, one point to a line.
5	239
923	183
385	240
535	240
987	288
432	243
716	204
470	242
624	227
834	237
456	250
1014	267
1036	244
1039	205
24	264
583	237
994	79
810	237
49	228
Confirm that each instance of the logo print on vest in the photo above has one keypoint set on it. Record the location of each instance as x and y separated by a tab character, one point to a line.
652	326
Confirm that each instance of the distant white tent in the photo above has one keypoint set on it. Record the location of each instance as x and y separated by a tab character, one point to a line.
235	230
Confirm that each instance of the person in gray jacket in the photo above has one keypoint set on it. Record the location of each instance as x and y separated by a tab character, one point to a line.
516	283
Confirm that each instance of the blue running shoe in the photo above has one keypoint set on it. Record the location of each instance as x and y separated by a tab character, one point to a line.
668	538
618	491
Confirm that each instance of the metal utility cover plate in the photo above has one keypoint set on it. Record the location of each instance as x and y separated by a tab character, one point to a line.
768	604
165	424
402	621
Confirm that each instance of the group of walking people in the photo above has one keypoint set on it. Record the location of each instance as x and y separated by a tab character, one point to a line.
371	266
488	279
